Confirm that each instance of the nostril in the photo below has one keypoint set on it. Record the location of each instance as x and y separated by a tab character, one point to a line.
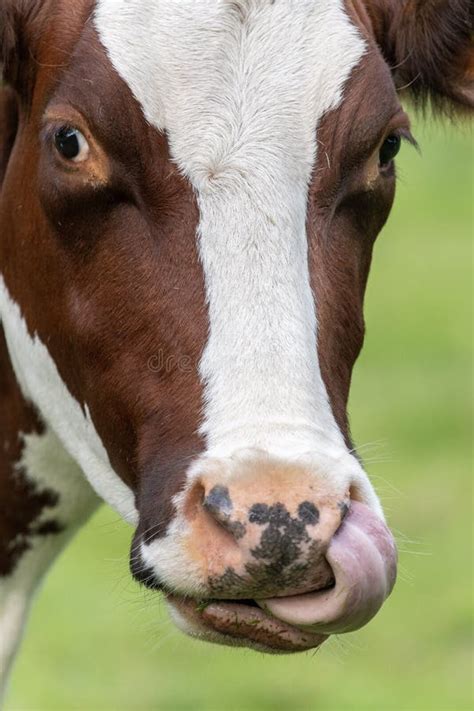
355	494
218	503
212	531
344	509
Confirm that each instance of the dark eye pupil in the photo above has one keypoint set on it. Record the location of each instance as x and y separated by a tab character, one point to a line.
67	142
389	149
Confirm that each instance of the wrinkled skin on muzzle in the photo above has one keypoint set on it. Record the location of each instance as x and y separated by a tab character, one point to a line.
363	557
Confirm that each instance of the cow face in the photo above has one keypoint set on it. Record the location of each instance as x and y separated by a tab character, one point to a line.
191	195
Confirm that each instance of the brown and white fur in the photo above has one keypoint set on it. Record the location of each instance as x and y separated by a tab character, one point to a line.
181	308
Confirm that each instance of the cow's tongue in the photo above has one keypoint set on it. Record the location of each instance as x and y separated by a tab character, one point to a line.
363	557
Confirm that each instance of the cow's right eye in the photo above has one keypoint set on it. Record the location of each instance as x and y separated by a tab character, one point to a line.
71	144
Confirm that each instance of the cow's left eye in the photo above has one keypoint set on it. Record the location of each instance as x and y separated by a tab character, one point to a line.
389	149
71	144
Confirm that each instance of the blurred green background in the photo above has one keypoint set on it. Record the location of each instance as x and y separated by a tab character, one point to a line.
97	642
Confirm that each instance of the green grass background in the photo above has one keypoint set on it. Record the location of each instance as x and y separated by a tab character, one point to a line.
98	643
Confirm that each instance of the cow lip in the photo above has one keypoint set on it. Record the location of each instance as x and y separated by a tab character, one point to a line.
363	557
243	623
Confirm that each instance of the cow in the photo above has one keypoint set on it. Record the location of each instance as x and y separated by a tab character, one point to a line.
190	191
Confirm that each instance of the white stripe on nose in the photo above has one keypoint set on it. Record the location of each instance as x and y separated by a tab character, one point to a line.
240	95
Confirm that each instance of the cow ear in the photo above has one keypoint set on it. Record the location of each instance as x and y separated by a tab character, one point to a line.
428	45
19	31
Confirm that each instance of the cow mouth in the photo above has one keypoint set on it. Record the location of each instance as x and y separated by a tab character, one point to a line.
363	557
243	623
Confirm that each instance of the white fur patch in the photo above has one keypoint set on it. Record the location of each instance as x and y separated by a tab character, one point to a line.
41	384
239	88
47	465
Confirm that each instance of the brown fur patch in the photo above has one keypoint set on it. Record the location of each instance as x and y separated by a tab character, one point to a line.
21	504
8	126
428	45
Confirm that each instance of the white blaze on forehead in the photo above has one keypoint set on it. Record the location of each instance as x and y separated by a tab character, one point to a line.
239	88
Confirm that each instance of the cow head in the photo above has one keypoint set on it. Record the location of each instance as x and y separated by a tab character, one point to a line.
191	193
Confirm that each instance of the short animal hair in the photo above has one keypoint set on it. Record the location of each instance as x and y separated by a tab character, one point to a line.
20	30
428	45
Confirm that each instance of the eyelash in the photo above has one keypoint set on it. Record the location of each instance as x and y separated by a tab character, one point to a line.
389	149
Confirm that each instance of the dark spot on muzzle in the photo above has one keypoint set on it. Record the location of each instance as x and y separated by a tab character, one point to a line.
308	513
285	557
259	513
219	504
218	501
281	540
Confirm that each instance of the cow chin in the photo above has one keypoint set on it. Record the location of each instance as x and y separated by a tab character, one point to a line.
239	623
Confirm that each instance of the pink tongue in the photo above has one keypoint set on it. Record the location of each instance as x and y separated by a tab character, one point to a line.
363	557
